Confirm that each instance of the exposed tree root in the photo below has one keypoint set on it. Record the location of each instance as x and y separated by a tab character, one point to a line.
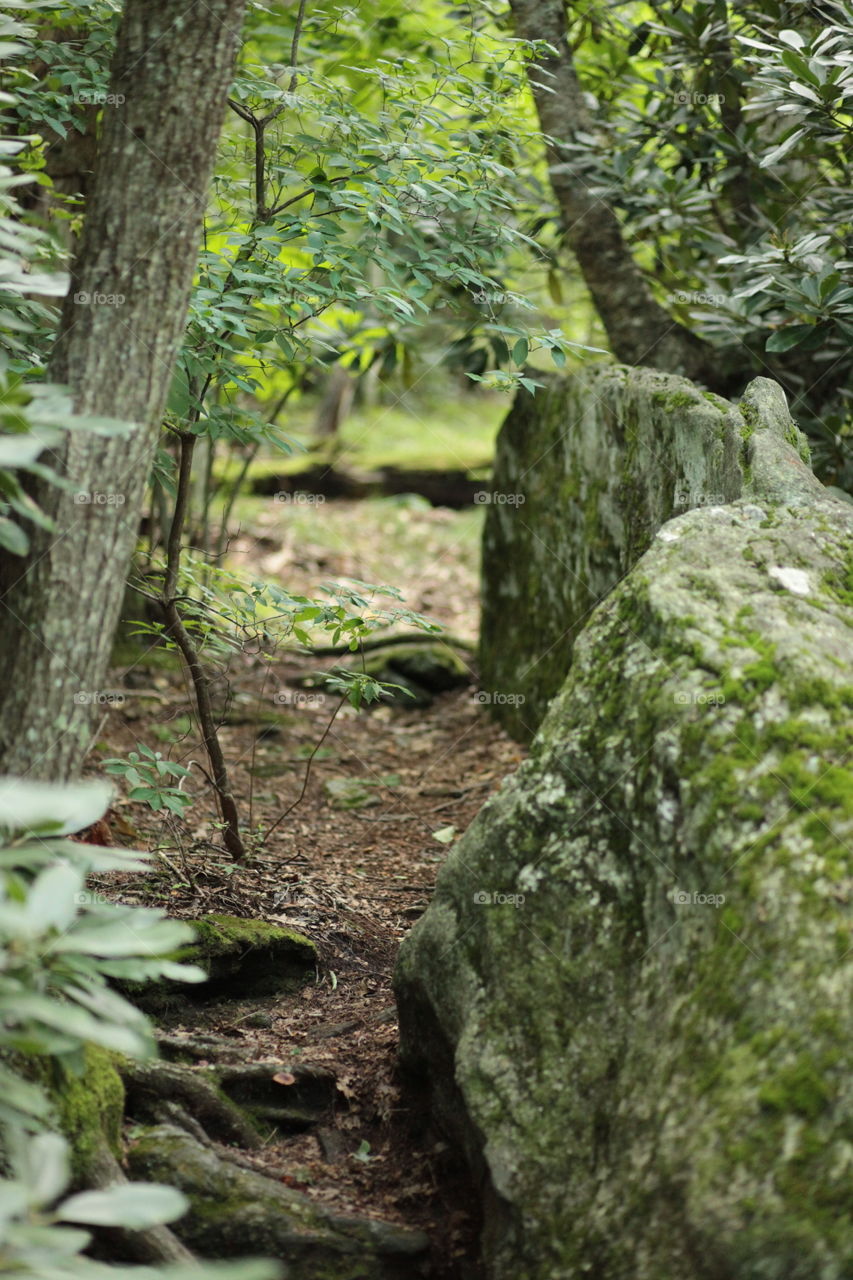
153	1089
154	1246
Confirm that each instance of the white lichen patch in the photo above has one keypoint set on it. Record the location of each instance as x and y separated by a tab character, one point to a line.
795	580
668	534
667	811
551	790
530	877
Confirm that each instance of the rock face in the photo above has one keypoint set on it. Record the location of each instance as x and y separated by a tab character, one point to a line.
586	472
630	997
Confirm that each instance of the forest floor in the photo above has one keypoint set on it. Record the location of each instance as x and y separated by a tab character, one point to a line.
353	880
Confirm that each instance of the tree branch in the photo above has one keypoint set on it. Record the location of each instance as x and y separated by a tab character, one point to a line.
294	48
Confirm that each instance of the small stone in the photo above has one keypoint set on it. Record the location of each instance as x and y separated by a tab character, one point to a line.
349	793
258	1019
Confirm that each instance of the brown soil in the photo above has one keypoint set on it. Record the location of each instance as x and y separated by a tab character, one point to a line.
353	880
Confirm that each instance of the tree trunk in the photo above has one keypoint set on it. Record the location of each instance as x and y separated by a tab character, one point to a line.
119	335
639	329
335	405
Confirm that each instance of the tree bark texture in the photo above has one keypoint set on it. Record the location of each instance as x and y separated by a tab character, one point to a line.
119	335
640	330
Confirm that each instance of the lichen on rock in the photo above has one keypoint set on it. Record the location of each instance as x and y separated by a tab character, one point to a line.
630	998
587	471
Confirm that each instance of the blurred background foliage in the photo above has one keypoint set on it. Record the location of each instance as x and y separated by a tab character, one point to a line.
383	254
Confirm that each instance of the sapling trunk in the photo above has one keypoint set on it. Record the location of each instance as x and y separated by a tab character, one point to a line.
177	632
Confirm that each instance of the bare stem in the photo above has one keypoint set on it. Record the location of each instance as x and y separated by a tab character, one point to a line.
176	630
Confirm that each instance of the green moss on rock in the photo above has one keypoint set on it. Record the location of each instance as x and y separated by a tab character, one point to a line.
91	1105
595	465
236	1212
250	955
87	1096
220	935
655	1085
243	958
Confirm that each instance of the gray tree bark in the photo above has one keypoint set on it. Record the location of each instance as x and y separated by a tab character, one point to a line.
640	330
119	335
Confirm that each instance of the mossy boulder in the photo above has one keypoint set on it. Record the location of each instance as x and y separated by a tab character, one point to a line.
586	472
249	957
435	667
243	959
630	997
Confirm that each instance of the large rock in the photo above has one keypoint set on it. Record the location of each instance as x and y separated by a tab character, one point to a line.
586	472
631	995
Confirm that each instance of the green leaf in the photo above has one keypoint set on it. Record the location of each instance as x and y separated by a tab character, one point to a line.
14	1202
179	401
46	1167
136	1205
520	351
13	538
72	1021
51	808
25	1098
789	337
784	147
284	344
799	66
21	449
792	38
51	900
804	91
176	801
121	933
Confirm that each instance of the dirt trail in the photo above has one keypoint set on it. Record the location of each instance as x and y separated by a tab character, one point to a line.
353	879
